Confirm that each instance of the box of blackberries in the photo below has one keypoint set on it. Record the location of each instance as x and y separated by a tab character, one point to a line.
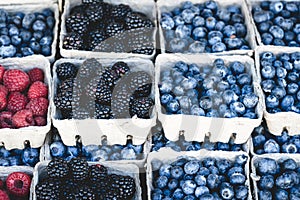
25	95
220	27
199	175
276	177
278	70
30	29
79	179
106	29
276	22
15	182
111	97
208	95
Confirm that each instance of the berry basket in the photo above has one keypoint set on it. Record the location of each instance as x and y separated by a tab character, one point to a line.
256	177
14	138
278	121
146	7
124	169
197	127
167	156
259	37
116	130
166	6
36	6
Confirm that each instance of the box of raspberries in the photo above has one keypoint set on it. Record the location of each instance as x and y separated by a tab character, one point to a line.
15	182
276	176
198	175
25	93
219	95
276	23
278	71
79	179
220	27
30	29
92	98
97	28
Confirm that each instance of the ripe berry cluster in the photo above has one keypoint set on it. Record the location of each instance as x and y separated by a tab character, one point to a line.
16	186
26	34
23	98
208	178
204	27
77	180
278	22
104	27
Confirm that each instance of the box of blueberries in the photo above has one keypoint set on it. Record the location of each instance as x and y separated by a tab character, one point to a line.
276	22
29	29
26	108
207	94
107	179
202	174
108	97
278	71
221	27
275	177
107	29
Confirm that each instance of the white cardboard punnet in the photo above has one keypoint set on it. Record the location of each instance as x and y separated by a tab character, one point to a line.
14	138
30	8
167	156
131	170
276	122
116	130
146	7
196	127
167	6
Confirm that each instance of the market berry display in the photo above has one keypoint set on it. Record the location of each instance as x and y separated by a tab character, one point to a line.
204	28
104	27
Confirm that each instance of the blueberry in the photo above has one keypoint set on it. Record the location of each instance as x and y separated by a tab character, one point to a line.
266	182
289	147
271	146
238	107
187	15
218	47
267	38
262	16
167	23
46	40
30	156
189	187
161	182
177	172
292	88
224	15
4	162
177	45
4	153
237	179
281	194
178	194
28	20
229	97
27	51
198	21
35	46
99	155
128	154
264	26
214	37
173	184
221	71
272	101
287	103
210	23
58	149
241	160
206	102
206	13
220	25
201	190
276	7
265	194
237	68
226	191
287	180
199	32
267	166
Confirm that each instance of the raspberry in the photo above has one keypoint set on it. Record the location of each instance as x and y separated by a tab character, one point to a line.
2	70
23	118
15	80
18	184
3	101
37	89
16	101
3	90
38	106
6	119
3	195
40	121
36	74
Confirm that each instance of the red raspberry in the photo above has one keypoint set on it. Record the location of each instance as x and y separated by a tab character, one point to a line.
3	101
3	195
2	70
15	80
38	106
23	118
6	119
37	89
16	101
36	74
18	184
3	90
40	121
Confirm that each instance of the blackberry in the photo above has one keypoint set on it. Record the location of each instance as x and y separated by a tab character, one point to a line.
80	113
63	100
108	78
125	185
91	2
146	50
103	112
85	192
77	23
103	95
67	84
98	173
95	13
89	69
114	28
79	9
58	168
95	38
120	69
141	107
110	194
137	20
79	169
143	91
47	189
66	70
120	101
100	188
73	41
140	41
120	11
68	188
65	113
139	79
